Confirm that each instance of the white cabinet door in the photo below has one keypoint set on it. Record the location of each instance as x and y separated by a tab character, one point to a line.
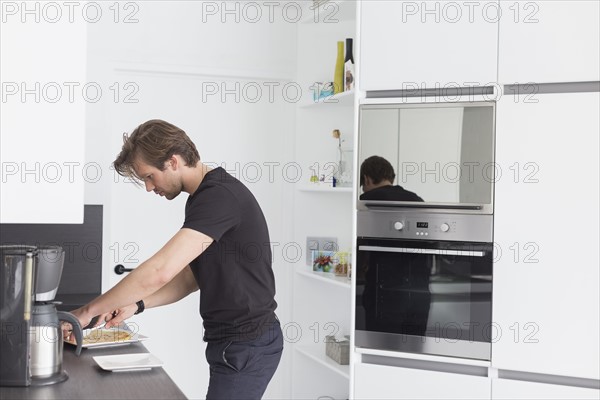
44	94
409	45
521	390
384	382
546	279
549	41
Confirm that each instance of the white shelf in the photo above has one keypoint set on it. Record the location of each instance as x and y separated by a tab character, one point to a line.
340	281
344	99
317	187
318	355
329	12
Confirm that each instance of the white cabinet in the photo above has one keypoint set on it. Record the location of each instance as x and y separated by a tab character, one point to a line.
441	44
520	390
44	95
546	279
385	382
549	41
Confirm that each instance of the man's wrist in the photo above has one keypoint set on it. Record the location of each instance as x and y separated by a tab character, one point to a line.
87	311
140	307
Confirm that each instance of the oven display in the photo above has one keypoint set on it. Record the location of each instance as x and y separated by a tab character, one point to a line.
423	225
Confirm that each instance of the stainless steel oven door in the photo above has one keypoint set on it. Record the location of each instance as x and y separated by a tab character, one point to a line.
420	296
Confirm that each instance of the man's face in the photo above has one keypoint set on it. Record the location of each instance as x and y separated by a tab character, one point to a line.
165	183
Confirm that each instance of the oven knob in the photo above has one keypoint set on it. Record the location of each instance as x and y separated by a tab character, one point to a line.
398	226
444	227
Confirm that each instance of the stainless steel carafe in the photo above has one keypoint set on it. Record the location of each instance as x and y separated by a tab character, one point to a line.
46	343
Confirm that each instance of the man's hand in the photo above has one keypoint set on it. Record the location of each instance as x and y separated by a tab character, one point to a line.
110	319
84	319
121	315
84	316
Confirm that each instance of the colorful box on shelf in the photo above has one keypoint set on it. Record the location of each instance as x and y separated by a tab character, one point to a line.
333	262
322	90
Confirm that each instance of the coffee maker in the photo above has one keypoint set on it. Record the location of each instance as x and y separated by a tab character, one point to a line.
31	341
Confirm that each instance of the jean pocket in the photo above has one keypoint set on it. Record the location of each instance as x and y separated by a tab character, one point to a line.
236	356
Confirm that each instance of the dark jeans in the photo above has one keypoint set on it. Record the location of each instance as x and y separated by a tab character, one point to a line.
242	370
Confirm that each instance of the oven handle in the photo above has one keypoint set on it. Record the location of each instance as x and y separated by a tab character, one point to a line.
442	252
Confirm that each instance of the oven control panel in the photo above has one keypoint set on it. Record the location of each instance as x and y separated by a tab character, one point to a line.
424	226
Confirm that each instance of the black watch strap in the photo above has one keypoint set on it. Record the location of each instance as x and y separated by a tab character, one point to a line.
141	307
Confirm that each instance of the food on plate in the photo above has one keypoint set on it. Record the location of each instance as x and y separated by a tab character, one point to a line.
105	336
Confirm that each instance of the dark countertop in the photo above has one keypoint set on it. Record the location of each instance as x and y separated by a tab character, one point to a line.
88	381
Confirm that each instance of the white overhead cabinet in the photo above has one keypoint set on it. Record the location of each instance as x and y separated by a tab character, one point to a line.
44	95
549	42
415	45
546	305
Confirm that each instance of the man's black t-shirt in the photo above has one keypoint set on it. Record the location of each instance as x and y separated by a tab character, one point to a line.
390	193
234	273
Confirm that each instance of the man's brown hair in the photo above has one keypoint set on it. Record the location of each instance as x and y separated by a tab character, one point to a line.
378	169
154	142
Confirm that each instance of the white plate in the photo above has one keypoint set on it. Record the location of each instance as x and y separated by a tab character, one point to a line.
127	362
135	337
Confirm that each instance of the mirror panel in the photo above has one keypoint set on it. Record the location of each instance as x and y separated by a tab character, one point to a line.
442	152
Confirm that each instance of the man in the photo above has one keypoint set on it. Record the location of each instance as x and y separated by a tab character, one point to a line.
377	178
237	288
412	307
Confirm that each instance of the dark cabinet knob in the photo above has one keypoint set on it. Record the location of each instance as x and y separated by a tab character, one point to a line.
120	269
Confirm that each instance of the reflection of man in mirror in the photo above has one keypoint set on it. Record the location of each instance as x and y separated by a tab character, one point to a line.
377	180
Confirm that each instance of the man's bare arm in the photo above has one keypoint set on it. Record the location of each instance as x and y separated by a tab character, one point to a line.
149	276
178	288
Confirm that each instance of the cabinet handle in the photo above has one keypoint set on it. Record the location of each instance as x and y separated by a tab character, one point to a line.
120	269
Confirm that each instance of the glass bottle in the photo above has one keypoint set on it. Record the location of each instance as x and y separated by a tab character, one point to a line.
338	78
349	66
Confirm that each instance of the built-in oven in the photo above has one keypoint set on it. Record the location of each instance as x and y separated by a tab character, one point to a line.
424	283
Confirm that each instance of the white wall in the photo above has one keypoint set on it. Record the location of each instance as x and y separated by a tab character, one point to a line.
166	63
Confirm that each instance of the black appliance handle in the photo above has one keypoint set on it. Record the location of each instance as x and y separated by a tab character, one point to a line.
120	269
66	316
441	252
